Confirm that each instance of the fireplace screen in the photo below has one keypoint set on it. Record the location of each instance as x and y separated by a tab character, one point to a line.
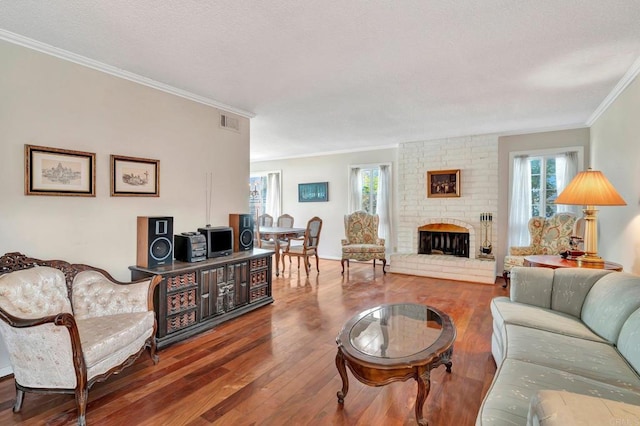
443	239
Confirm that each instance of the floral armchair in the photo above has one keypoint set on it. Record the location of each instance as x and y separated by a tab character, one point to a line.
362	242
548	236
68	326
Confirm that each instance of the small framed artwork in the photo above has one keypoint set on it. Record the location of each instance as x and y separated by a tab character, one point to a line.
55	171
134	177
312	192
443	183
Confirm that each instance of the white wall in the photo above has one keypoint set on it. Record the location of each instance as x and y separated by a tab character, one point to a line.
328	168
615	150
528	142
51	102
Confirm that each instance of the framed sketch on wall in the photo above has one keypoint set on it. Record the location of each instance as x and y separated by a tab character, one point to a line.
443	183
312	192
134	177
55	171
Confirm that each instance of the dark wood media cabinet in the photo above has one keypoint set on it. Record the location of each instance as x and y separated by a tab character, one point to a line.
194	297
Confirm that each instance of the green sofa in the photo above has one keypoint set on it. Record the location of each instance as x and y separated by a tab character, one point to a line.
567	347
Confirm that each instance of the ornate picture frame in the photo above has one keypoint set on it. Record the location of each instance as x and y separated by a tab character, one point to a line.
443	183
313	192
134	177
59	172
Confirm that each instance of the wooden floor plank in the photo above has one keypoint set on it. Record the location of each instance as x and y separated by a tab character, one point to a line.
276	365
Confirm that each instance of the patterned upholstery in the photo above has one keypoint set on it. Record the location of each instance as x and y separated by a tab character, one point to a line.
548	236
65	330
362	242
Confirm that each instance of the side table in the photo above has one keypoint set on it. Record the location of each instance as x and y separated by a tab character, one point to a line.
555	261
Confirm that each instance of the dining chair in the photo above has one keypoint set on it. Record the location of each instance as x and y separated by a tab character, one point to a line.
265	220
285	221
309	246
264	242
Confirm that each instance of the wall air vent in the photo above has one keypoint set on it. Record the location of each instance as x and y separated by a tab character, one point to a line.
230	123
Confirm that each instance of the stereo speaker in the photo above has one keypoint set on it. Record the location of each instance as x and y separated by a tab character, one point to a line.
155	241
242	225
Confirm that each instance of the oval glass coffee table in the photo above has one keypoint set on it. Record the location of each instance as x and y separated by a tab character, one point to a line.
395	342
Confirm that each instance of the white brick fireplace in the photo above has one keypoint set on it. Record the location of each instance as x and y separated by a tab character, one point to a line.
477	159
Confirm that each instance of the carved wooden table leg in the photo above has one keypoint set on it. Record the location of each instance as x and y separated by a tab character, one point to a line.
342	369
424	385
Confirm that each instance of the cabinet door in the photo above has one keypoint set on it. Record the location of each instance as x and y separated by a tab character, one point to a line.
209	293
241	283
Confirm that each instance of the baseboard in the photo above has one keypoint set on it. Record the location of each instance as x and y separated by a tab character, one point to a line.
6	371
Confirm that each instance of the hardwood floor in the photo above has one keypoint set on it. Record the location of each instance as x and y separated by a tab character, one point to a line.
276	365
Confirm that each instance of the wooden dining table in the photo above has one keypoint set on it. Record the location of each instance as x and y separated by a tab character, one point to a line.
277	233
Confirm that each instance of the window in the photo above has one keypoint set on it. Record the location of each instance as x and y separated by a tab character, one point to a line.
369	188
264	193
544	186
537	178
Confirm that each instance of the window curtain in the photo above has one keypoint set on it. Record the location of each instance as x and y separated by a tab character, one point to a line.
355	190
384	206
566	170
273	195
520	210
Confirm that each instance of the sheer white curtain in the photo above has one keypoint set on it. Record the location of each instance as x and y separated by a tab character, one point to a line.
384	205
273	195
520	211
355	190
566	170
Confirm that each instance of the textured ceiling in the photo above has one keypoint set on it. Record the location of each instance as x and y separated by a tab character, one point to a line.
335	75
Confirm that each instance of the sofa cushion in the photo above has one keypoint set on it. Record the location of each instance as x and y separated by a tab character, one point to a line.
594	360
532	286
612	299
560	408
506	312
629	340
94	295
103	336
34	293
516	381
571	286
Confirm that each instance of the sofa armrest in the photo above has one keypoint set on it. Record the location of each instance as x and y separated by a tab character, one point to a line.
380	242
344	242
95	295
550	408
532	286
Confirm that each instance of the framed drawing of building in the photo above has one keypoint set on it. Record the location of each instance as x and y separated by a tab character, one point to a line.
56	171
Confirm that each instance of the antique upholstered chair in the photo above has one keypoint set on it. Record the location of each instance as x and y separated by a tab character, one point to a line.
309	246
548	236
361	240
68	326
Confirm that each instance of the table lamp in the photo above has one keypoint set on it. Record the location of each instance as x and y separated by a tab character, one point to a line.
590	188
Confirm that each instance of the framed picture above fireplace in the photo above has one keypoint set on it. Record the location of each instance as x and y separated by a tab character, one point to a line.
443	183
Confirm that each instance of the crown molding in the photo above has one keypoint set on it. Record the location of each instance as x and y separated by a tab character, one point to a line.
117	72
626	79
324	153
